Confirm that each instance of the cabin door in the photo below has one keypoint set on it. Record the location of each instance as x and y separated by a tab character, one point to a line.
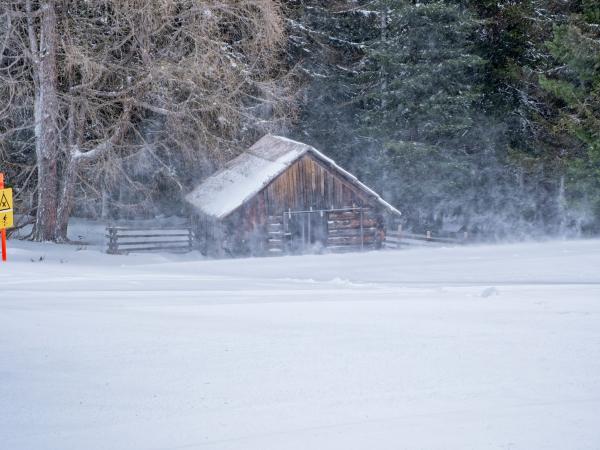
306	231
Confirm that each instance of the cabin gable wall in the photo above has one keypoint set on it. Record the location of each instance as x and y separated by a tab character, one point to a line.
308	183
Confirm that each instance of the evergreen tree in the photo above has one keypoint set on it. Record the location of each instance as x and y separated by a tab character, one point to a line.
511	39
327	42
422	88
574	85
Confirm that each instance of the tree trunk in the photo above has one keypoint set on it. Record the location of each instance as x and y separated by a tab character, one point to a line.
46	126
382	72
67	198
105	211
561	204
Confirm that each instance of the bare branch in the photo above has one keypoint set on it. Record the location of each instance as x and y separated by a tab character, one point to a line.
104	147
33	45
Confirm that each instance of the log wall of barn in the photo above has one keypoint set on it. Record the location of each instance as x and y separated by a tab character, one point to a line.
307	183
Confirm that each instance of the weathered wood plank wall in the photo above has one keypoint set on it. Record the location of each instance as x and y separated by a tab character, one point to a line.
306	183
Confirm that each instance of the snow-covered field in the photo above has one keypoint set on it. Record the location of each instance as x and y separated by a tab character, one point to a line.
484	347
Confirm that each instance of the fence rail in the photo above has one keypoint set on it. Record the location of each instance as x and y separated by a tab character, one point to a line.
398	238
125	239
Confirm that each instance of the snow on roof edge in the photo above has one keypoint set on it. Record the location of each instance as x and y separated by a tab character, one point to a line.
278	167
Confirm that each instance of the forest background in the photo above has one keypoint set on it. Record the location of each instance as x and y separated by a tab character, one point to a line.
481	116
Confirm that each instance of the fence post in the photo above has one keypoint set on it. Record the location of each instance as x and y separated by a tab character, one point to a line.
398	244
362	231
309	216
428	235
113	246
465	235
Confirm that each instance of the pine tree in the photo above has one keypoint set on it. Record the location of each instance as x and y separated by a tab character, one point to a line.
327	42
575	88
420	106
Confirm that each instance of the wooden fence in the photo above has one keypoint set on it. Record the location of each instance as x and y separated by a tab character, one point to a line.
125	239
398	238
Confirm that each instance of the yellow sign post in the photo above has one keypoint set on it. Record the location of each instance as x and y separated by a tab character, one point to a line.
6	213
6	209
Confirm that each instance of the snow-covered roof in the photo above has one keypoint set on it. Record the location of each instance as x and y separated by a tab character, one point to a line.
246	175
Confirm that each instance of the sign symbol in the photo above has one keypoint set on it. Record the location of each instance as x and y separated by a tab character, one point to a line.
4	202
6	214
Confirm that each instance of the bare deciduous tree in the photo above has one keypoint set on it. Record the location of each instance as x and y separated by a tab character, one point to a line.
85	79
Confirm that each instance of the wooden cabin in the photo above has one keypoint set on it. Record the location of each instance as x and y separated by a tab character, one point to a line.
283	196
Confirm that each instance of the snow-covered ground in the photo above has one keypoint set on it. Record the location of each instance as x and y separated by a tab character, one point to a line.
484	347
